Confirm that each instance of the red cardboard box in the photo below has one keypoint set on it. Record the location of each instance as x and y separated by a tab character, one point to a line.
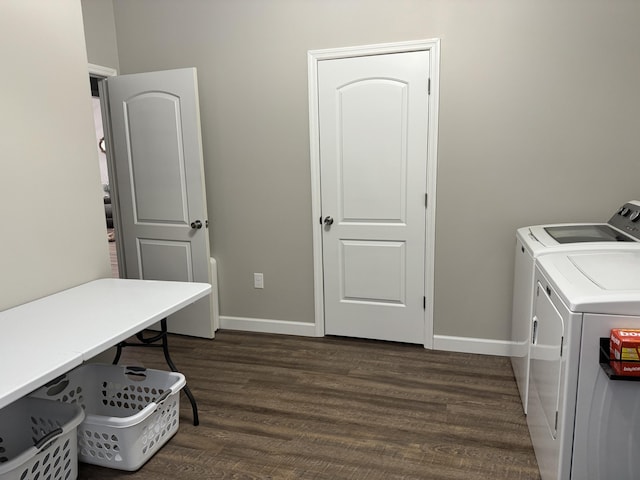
624	351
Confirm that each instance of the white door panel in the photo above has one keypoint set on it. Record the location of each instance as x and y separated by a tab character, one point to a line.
372	194
146	115
159	175
160	258
373	122
381	281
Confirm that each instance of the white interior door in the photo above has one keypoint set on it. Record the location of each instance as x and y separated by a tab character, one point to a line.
154	125
373	129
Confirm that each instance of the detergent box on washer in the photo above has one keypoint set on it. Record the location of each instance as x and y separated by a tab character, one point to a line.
624	351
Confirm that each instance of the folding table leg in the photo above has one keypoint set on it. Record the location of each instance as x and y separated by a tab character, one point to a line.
150	342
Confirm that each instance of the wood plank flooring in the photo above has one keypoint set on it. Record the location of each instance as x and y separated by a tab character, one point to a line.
281	407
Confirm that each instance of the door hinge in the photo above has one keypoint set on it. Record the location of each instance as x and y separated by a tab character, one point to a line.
429	86
561	345
424	303
426	199
556	426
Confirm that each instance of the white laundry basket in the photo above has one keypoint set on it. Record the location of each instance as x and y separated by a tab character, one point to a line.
38	440
130	411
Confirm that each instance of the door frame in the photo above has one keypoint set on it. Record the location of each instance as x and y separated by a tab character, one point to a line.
100	71
104	72
315	56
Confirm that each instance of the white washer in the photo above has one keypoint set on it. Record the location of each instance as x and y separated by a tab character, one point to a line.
622	231
583	425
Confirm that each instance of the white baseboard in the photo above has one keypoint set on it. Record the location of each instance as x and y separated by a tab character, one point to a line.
483	346
263	325
440	342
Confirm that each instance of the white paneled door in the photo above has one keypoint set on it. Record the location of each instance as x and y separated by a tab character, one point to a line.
154	124
373	130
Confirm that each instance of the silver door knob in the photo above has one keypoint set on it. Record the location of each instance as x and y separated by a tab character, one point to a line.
328	221
197	225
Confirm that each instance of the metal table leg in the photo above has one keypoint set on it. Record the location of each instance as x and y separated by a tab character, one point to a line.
151	342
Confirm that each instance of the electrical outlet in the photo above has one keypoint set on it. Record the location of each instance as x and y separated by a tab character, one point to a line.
258	280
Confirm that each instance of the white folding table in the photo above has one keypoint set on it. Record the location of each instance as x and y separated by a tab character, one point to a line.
42	339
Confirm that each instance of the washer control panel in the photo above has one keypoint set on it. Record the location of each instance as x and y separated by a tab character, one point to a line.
627	219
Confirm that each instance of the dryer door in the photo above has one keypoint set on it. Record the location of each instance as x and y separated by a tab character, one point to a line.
546	356
546	369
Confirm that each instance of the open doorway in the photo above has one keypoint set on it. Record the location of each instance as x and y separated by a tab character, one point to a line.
94	79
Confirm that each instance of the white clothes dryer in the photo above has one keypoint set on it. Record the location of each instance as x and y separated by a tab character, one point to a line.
584	425
621	231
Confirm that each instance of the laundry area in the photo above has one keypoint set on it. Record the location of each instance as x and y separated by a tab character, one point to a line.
370	198
576	314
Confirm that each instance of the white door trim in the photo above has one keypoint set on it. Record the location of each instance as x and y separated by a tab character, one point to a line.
104	72
315	56
100	71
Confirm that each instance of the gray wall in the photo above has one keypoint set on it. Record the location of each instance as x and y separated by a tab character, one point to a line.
51	212
100	33
538	120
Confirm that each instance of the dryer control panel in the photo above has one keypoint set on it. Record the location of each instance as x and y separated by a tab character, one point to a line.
627	219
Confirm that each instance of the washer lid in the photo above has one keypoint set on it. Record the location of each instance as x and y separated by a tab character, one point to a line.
586	233
597	281
579	235
611	271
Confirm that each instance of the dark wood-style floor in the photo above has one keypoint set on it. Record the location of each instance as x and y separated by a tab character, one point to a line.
280	407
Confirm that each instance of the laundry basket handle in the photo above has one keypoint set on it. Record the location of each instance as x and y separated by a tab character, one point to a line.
48	437
135	373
